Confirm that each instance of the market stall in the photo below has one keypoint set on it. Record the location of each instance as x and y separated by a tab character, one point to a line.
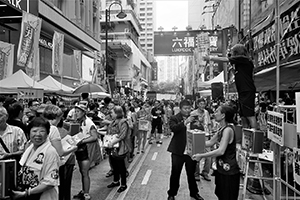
51	84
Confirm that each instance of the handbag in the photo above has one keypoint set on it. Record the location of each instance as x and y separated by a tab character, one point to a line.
15	157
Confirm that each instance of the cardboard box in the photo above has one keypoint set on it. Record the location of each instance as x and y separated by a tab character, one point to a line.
144	125
8	178
252	140
195	142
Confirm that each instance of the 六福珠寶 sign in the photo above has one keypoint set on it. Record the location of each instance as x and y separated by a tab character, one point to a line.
275	127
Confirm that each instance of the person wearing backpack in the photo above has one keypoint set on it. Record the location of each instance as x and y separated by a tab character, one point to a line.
118	148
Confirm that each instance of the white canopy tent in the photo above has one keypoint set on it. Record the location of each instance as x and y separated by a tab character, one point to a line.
20	80
51	84
217	79
205	93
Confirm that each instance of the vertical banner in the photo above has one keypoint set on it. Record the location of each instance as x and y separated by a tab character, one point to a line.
99	73
28	44
296	165
298	111
57	53
78	62
6	59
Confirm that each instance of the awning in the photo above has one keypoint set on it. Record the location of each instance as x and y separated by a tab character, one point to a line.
289	78
120	49
207	84
53	85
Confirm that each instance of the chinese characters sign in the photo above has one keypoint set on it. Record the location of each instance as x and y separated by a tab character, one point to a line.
264	40
296	165
275	127
179	42
154	71
6	59
57	53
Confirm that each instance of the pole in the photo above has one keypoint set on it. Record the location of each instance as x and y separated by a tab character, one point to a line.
276	147
106	49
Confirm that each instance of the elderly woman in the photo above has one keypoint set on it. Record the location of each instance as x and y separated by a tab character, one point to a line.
118	127
89	131
38	177
227	175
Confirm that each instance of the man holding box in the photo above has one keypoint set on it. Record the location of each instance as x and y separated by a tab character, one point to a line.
179	156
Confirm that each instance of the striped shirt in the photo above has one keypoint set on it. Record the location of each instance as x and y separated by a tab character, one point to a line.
14	139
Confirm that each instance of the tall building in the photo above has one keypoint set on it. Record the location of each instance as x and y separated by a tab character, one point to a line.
146	15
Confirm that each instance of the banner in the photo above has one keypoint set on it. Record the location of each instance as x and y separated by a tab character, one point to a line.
99	72
78	62
27	55
264	40
296	165
57	53
6	59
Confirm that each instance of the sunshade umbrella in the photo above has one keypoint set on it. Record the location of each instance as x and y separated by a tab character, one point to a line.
89	88
99	95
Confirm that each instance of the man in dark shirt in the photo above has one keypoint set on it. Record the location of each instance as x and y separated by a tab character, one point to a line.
242	68
157	114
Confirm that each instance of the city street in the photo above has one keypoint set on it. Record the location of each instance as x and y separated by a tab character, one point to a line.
149	179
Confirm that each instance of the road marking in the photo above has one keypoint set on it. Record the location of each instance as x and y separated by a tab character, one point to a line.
132	176
146	177
154	156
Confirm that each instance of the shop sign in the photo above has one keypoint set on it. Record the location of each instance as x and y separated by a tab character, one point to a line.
19	4
154	71
264	40
296	165
183	42
275	126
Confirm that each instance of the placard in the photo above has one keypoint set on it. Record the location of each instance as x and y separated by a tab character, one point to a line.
275	127
144	125
296	165
298	111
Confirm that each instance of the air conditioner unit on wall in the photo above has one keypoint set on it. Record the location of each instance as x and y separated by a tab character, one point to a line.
81	2
126	30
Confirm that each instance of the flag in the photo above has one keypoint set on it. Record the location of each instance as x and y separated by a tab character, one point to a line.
6	59
27	55
78	62
57	53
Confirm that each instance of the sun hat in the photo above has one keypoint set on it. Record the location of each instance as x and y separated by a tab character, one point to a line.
82	105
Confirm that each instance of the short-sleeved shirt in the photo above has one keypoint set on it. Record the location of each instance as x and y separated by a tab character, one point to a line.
38	170
54	133
14	138
157	113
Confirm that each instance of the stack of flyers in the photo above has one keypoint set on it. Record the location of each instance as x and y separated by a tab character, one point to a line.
108	138
75	139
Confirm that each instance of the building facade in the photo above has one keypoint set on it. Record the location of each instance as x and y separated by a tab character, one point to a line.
129	64
78	21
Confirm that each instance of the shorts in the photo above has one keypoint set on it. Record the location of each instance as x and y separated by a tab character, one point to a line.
247	104
157	125
82	153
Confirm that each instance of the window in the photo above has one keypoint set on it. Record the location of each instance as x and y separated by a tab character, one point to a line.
149	34
149	29
149	2
149	24
149	39
149	8
142	14
149	14
143	45
142	9
149	45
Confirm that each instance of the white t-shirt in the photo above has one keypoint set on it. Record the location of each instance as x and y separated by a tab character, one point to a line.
54	133
86	126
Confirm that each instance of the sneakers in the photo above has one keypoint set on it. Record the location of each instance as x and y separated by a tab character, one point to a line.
86	196
110	173
79	195
113	184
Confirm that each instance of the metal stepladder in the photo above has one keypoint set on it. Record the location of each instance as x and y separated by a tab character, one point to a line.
257	173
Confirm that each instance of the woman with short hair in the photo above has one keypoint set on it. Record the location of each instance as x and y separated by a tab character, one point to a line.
38	177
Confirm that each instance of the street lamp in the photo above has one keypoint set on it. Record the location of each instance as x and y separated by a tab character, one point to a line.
120	15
